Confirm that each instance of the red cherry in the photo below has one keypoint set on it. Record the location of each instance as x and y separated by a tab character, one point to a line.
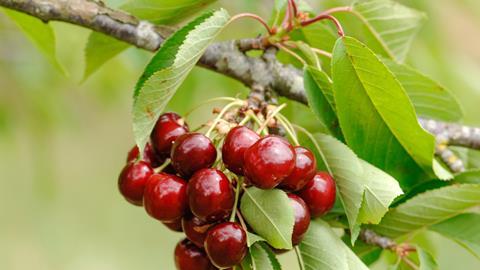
190	257
192	152
319	194
210	195
195	229
226	244
149	155
237	141
167	129
132	181
302	218
175	225
305	168
269	161
165	197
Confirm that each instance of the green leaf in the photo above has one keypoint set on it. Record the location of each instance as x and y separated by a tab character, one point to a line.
468	177
319	91
429	98
168	69
309	55
101	48
365	191
260	257
463	229
253	238
429	208
164	11
392	26
39	33
376	116
322	249
270	215
427	261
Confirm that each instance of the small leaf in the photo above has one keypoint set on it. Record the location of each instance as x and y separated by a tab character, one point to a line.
429	208
468	177
322	249
40	34
270	215
169	67
253	238
427	261
365	191
100	48
431	100
376	116
463	229
260	257
392	26
319	91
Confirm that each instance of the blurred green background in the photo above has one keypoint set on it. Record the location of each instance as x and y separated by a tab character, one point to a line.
63	142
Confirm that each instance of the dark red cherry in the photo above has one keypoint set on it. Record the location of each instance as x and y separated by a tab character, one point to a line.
237	141
149	155
305	168
132	181
269	161
210	195
167	129
302	218
192	152
319	194
175	225
165	197
195	229
226	244
190	257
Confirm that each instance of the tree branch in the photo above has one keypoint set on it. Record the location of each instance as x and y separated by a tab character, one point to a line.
228	58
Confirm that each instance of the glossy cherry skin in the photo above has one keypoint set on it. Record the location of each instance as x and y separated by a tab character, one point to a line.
305	168
167	129
270	160
175	225
237	141
149	155
210	195
226	244
192	152
132	181
165	197
190	257
302	218
195	229
319	194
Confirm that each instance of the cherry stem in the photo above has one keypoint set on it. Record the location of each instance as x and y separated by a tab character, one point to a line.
208	101
322	52
287	125
292	53
270	117
162	167
410	263
255	17
222	113
325	16
301	264
242	221
294	8
237	195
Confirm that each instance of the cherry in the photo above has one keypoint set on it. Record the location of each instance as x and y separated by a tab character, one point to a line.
149	155
165	197
319	194
302	218
305	168
195	229
190	257
269	161
132	181
226	244
237	141
210	195
175	225
167	129
192	152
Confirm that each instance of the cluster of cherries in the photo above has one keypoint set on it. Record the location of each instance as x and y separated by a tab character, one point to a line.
186	194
